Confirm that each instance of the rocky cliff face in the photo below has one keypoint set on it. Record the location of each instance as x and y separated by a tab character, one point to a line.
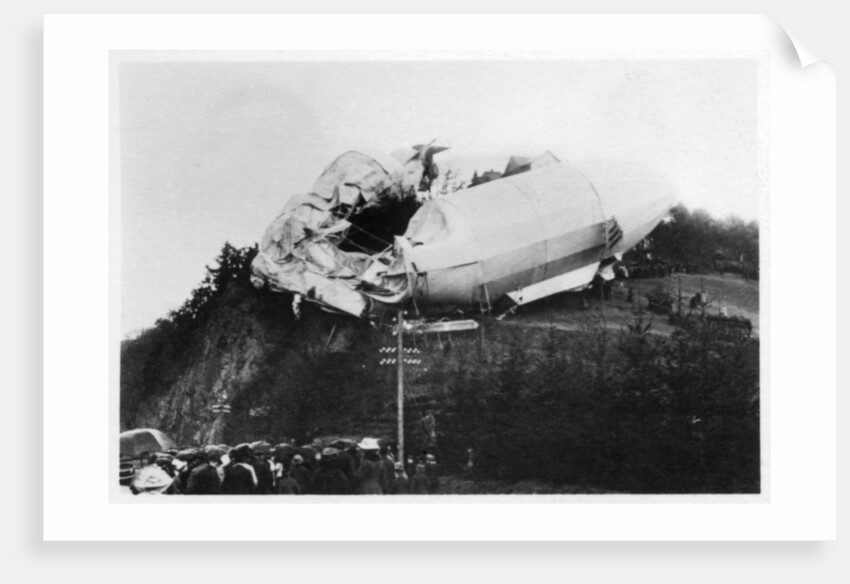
220	361
250	354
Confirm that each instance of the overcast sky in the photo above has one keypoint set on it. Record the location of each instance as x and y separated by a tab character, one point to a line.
210	152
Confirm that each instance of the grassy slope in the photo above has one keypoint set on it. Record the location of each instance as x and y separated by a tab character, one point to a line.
564	311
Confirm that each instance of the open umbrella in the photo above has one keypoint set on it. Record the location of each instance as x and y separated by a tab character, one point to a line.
284	452
343	444
135	442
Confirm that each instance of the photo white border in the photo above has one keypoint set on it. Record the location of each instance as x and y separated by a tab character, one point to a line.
802	459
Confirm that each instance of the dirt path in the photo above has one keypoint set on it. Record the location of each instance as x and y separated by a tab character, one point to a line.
658	327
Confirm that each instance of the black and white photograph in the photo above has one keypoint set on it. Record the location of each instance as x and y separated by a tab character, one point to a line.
438	275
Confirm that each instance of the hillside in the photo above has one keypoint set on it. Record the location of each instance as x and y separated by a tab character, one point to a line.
252	354
602	396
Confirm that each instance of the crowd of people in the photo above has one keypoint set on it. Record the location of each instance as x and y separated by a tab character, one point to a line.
342	468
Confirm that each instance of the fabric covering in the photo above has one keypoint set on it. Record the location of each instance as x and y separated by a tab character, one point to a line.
477	245
299	251
544	227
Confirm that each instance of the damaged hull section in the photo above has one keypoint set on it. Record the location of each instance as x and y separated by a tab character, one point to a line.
519	238
531	235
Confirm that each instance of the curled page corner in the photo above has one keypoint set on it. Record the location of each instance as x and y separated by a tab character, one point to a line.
805	56
797	49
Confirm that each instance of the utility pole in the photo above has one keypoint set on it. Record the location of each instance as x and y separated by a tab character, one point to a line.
415	361
400	359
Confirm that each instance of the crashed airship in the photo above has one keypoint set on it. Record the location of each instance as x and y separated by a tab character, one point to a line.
537	230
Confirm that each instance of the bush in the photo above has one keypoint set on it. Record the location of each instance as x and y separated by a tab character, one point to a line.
634	412
694	241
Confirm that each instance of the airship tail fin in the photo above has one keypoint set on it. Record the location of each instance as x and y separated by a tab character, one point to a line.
570	281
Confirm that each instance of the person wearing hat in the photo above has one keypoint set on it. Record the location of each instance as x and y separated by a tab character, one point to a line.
371	468
166	463
419	484
204	479
286	485
388	471
410	468
429	424
400	484
300	473
178	469
263	467
349	462
187	460
330	480
150	479
432	472
279	461
239	476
